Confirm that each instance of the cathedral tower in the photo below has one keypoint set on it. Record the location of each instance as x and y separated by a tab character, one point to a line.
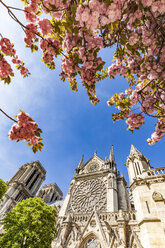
24	184
50	193
137	163
147	186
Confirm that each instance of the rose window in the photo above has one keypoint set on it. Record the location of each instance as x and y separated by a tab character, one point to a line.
89	195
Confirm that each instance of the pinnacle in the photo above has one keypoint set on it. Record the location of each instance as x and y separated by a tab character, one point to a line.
81	162
111	155
134	150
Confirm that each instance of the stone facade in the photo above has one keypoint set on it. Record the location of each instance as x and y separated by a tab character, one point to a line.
24	184
99	211
148	190
52	195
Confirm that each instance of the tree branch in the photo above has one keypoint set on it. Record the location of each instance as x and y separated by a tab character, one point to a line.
8	116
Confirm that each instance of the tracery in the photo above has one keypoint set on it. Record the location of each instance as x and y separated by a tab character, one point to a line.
92	243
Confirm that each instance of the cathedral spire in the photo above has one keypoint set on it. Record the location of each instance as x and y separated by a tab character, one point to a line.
134	151
81	162
111	155
136	163
80	165
112	159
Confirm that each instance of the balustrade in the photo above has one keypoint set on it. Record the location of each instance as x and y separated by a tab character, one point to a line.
107	216
156	172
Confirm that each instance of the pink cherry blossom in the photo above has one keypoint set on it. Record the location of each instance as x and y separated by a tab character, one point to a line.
24	129
45	26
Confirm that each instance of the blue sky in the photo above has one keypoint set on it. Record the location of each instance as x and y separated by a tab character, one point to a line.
71	125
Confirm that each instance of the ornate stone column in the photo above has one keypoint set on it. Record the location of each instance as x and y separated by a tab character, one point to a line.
121	230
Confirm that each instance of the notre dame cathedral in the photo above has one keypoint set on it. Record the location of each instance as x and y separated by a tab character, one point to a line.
100	210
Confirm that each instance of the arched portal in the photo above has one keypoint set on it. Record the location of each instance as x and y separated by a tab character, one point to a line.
91	243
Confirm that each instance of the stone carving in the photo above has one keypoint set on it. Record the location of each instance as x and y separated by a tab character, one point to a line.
110	182
109	229
92	243
157	196
89	195
93	167
71	186
93	223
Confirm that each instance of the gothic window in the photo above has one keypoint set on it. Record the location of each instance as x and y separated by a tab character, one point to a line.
43	194
92	243
139	167
132	206
21	196
148	209
136	168
30	177
18	197
88	195
134	217
52	197
34	181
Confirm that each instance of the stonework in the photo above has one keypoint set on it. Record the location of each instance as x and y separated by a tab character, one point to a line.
100	212
24	184
50	193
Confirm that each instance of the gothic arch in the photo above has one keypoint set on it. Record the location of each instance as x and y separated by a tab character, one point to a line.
134	241
91	237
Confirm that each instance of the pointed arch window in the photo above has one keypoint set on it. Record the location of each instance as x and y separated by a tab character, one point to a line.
92	243
52	197
29	179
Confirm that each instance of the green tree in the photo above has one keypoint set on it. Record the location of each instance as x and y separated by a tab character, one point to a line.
3	188
31	224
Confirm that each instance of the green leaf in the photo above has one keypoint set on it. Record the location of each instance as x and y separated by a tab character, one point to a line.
39	130
3	188
7	80
29	144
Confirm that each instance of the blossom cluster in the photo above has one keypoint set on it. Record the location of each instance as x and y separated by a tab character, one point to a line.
95	13
134	120
80	30
158	133
31	9
6	49
30	31
25	129
50	48
5	68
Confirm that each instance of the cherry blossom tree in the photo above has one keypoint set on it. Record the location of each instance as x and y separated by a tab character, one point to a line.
79	30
